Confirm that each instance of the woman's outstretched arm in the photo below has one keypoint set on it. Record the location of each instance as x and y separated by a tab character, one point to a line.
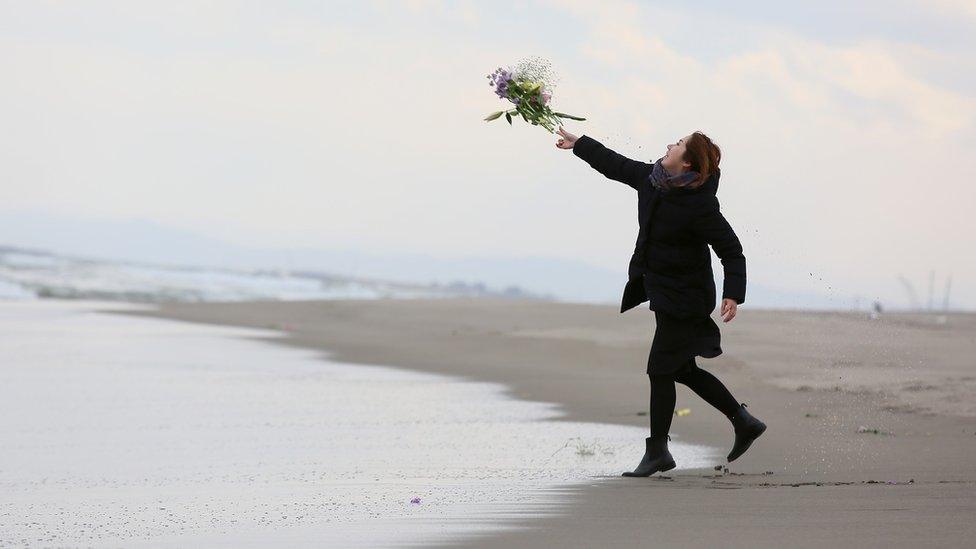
712	226
609	163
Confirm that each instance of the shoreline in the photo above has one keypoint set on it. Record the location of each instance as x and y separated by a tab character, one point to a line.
836	461
154	431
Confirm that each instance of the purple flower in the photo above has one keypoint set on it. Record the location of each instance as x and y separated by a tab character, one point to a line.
500	79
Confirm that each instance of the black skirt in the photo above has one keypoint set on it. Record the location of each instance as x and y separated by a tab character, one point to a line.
678	340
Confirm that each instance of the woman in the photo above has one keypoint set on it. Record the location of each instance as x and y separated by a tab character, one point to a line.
671	268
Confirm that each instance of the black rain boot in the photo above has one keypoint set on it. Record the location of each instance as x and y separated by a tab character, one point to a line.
747	429
656	458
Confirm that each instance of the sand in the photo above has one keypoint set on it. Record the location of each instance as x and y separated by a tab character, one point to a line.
872	422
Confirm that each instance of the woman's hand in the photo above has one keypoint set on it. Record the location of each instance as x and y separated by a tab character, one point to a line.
567	141
728	309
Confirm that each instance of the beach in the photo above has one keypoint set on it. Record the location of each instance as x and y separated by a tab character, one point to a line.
309	274
154	432
872	425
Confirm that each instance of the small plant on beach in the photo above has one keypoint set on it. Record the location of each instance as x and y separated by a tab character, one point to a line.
583	449
873	430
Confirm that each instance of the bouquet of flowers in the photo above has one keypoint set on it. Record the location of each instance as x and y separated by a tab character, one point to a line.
528	88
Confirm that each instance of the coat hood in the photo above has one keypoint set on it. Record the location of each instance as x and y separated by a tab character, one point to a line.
711	184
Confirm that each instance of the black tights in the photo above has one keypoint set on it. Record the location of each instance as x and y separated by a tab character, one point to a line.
701	382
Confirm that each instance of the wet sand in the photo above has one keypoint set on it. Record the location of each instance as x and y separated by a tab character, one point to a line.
126	431
872	422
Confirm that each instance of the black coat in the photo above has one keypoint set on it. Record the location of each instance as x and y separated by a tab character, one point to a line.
671	266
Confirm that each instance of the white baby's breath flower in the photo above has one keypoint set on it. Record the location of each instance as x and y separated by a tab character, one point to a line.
536	69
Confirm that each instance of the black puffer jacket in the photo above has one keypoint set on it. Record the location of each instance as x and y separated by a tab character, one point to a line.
671	266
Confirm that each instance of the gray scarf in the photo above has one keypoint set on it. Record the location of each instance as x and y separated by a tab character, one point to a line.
662	179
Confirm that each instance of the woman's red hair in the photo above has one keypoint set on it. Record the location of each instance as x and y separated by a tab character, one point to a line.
703	155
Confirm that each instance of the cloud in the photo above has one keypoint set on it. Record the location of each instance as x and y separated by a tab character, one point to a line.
834	153
362	127
965	8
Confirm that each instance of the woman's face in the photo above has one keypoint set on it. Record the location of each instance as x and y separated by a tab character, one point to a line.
673	158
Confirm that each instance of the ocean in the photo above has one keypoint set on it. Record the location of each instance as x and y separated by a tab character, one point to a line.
127	431
26	274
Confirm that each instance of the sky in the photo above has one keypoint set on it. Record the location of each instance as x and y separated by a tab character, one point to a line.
846	129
